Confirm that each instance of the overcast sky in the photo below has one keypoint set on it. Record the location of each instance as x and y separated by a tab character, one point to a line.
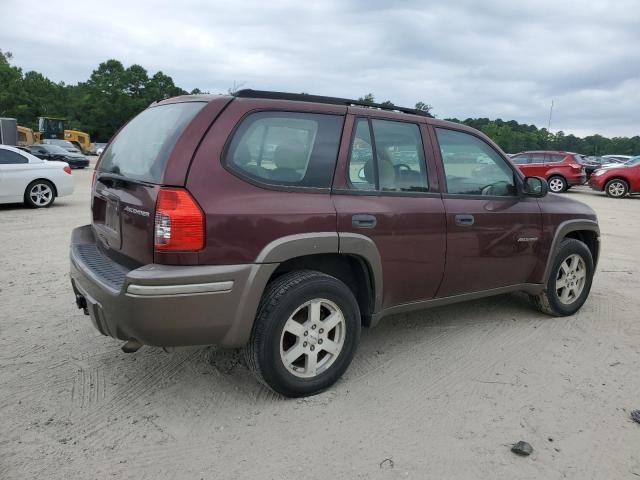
493	58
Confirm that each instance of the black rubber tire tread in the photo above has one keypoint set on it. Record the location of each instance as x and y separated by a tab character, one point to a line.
624	182
277	293
547	301
564	180
27	199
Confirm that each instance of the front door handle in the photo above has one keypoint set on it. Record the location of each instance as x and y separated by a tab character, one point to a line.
465	220
364	221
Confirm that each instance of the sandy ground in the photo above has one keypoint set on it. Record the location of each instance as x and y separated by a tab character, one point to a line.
436	394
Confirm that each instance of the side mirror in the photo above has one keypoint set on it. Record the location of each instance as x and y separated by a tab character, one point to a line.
535	187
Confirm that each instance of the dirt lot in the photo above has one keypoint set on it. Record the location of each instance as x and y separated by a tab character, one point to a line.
436	394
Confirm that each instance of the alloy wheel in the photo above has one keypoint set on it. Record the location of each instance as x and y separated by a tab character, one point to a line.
571	279
312	338
556	185
41	194
616	189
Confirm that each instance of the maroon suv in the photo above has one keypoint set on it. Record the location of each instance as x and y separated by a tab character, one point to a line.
284	223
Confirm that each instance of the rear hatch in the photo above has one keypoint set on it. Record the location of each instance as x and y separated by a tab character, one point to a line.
129	177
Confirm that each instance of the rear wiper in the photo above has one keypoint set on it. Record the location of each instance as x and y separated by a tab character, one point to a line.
113	179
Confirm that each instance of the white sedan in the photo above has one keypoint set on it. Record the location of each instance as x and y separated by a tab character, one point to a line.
25	178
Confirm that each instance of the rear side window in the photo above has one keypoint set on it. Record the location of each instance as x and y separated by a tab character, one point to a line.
287	148
7	157
555	158
141	149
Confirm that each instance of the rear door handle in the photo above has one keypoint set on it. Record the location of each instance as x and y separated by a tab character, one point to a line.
364	221
465	220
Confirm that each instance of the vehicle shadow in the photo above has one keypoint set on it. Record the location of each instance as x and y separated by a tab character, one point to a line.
223	370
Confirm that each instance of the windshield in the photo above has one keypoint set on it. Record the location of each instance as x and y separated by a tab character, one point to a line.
141	149
633	161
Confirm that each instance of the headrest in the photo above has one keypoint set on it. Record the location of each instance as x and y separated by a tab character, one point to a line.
291	156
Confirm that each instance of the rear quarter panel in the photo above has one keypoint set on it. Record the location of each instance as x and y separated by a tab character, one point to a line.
243	218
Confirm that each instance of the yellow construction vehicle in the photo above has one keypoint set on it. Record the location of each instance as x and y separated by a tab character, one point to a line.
81	138
27	136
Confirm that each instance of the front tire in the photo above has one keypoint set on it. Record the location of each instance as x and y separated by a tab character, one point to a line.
305	334
569	281
616	188
557	184
39	194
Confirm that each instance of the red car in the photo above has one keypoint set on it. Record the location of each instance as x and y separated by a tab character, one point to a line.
618	181
561	169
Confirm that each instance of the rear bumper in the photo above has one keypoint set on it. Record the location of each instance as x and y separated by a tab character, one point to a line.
166	305
577	180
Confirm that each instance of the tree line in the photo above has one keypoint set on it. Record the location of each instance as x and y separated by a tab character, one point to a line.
113	94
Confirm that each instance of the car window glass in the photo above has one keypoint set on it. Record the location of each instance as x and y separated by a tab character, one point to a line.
399	165
7	157
521	159
555	158
537	158
287	148
472	167
361	168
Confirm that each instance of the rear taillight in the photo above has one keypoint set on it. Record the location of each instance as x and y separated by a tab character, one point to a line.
67	169
179	221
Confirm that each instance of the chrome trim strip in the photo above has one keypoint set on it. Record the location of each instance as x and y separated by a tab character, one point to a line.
188	289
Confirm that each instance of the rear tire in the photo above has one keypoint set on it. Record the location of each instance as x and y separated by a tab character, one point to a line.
39	194
557	184
569	281
616	188
305	334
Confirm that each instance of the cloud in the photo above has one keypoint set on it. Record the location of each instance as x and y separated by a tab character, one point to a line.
496	59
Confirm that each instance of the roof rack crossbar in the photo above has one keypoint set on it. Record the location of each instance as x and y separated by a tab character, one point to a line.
305	97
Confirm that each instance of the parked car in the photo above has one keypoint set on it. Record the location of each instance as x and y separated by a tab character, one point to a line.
561	169
199	237
54	152
66	144
618	181
99	148
26	178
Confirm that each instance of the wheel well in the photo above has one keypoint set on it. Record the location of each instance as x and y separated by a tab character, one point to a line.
589	238
55	189
353	270
618	178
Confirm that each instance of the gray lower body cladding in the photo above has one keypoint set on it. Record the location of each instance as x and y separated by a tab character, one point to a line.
166	305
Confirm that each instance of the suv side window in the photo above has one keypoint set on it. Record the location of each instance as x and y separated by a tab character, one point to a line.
286	148
399	164
521	159
538	157
472	167
555	158
7	157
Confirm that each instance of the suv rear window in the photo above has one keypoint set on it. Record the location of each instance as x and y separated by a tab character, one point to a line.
286	148
141	149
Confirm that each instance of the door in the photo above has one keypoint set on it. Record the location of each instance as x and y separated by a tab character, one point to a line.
385	192
523	162
14	172
493	233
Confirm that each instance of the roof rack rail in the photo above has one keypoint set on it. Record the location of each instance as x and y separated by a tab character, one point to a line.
305	97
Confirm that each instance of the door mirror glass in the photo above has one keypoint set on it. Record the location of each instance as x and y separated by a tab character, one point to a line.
535	186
